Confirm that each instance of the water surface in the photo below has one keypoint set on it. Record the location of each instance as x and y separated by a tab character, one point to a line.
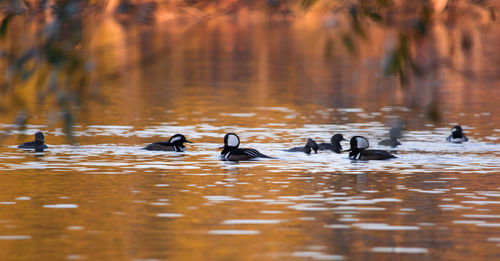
105	198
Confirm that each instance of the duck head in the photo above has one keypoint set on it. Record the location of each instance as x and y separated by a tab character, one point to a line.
395	132
178	140
231	142
39	138
457	132
359	143
337	138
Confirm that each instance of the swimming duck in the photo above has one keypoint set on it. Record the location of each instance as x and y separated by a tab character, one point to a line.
176	143
310	145
394	134
231	151
38	145
334	145
359	145
457	135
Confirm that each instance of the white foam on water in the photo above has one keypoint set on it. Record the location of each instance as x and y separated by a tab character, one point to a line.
245	115
480	216
317	255
220	198
472	222
480	202
75	228
488	224
234	232
337	226
169	215
271	211
251	221
405	250
383	226
61	206
14	237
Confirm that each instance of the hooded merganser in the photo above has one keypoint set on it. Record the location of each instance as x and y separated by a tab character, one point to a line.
176	143
334	145
310	145
394	134
38	144
457	136
359	150
231	151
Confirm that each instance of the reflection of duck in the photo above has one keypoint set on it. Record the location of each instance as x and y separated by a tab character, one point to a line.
176	143
394	134
310	145
457	135
359	150
38	145
334	145
231	151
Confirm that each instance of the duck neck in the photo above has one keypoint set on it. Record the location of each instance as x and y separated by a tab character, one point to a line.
355	153
227	149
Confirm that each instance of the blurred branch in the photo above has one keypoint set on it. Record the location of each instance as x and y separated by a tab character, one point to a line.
54	59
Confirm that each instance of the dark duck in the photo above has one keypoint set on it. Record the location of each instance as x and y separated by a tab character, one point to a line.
359	146
38	145
176	143
457	135
311	145
394	135
231	152
334	144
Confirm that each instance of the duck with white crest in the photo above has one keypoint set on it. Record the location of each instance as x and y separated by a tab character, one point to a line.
175	143
359	150
457	135
232	152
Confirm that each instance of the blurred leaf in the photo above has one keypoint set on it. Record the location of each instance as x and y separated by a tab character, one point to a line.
4	24
420	28
393	63
433	112
356	24
306	4
374	16
466	42
348	43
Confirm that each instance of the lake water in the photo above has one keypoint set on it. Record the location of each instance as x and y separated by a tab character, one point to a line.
274	84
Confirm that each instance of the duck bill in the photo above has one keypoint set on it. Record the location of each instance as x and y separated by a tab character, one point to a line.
221	147
188	141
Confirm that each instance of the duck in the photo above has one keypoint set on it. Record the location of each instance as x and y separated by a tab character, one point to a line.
359	145
38	145
176	143
457	135
334	145
311	145
394	134
231	152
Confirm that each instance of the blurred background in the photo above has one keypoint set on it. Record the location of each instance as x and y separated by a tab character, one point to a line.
69	62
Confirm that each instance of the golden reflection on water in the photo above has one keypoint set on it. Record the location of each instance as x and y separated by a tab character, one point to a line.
275	84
